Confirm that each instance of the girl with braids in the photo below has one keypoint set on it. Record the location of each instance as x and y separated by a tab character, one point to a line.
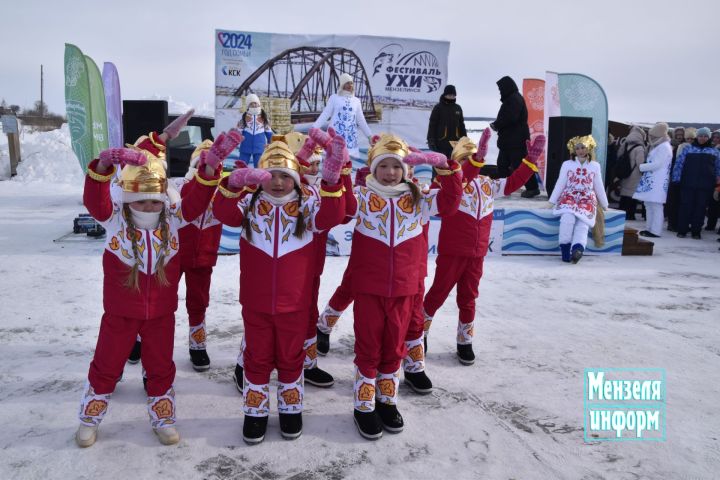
141	273
276	273
388	248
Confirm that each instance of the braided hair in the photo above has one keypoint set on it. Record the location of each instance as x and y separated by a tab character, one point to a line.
133	280
300	225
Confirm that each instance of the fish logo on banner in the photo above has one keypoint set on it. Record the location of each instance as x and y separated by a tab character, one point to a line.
407	72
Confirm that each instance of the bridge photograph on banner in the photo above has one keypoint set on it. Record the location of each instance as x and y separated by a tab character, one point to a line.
397	80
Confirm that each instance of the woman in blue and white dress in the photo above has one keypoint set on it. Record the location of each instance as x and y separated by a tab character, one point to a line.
653	186
343	112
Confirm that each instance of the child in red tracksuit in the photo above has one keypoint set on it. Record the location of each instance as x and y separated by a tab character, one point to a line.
199	243
464	236
309	156
387	246
141	274
414	362
276	273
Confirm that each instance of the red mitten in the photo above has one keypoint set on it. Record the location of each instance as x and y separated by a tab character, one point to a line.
243	177
240	164
374	139
360	176
174	128
223	145
337	156
479	156
122	156
535	149
306	150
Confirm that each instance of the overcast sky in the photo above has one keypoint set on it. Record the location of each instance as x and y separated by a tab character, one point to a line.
657	61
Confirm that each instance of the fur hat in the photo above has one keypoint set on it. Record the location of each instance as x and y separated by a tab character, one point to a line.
690	133
703	132
388	146
344	78
659	130
278	157
252	98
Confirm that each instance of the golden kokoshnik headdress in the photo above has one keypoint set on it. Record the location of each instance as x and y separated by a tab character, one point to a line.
586	140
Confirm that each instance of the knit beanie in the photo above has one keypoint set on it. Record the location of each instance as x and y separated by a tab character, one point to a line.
252	98
703	132
449	90
344	78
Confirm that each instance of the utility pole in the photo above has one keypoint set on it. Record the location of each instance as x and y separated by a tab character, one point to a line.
42	104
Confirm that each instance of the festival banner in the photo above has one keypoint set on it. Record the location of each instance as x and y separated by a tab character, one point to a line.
97	108
577	95
113	105
398	80
77	105
534	94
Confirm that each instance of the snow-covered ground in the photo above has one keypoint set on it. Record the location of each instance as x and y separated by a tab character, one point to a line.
517	413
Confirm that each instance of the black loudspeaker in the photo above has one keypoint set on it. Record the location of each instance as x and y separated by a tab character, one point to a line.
560	130
141	117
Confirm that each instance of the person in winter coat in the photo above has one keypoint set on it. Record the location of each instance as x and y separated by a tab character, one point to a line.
256	131
343	112
276	273
447	123
653	186
673	197
636	139
713	208
577	195
387	248
697	172
464	236
513	132
141	269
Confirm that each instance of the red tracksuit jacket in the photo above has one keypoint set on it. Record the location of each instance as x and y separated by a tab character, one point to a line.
200	239
277	268
466	233
153	299
388	245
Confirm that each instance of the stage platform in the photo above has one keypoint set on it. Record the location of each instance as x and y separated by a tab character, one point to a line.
521	226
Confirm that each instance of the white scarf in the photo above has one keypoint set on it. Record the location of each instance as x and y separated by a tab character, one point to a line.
145	220
392	191
279	201
345	93
313	179
254	110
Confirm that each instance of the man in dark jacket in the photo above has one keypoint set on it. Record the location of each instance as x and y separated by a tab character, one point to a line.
697	171
447	123
512	128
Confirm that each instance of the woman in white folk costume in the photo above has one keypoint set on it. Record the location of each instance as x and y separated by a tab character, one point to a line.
343	112
141	269
653	187
578	193
276	264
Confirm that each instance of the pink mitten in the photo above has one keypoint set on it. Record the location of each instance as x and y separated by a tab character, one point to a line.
479	156
174	128
223	145
240	164
243	177
306	150
337	156
122	156
374	139
321	138
535	149
434	159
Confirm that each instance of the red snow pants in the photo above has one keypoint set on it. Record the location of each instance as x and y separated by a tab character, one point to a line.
451	270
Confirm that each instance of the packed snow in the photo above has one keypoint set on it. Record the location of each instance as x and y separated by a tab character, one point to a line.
517	413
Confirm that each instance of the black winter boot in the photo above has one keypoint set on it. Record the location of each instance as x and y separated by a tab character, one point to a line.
323	343
368	424
465	354
135	353
391	419
238	378
419	382
200	360
318	377
290	425
577	252
254	429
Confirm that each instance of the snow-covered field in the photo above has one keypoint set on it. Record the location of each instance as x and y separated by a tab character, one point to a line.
517	413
